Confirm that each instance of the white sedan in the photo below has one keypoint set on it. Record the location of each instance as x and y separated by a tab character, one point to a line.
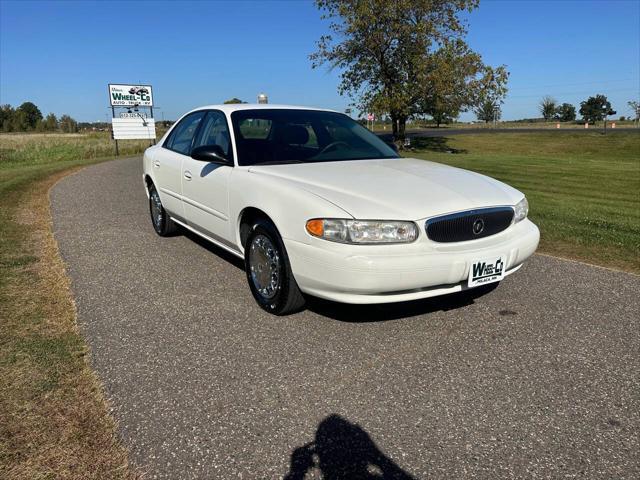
317	204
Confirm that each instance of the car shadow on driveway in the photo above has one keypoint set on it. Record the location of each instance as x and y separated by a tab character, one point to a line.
393	311
216	250
343	450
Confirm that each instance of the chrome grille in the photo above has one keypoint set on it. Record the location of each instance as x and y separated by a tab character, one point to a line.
469	225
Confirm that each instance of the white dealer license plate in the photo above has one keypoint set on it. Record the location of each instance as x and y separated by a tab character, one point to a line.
488	270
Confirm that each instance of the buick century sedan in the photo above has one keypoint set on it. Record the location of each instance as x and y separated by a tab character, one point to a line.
316	204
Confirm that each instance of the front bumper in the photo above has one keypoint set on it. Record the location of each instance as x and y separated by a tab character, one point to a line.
393	273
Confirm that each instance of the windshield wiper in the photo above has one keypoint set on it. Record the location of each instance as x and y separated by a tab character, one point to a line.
278	162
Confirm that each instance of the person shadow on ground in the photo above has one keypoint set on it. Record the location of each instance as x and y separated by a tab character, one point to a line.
343	450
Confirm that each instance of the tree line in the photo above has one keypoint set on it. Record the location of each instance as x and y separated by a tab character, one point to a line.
28	118
593	109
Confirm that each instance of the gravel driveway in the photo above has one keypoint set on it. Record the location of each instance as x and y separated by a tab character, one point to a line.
539	378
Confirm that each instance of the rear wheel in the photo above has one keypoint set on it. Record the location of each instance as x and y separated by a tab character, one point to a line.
269	272
162	223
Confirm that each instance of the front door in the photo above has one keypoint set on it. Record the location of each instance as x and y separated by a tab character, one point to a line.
205	186
168	162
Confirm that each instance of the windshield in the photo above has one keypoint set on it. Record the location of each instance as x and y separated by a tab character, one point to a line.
274	136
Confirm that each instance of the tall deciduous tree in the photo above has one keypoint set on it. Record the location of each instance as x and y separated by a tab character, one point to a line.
51	123
68	124
19	121
452	81
595	109
635	108
383	49
32	114
548	106
488	111
566	112
6	117
492	90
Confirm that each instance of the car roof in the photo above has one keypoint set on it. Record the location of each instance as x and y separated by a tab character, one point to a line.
234	107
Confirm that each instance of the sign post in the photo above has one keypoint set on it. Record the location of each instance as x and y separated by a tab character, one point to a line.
131	124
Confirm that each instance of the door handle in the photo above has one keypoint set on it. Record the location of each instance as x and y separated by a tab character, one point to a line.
156	163
187	174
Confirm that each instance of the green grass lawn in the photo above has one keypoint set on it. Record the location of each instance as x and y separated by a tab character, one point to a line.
583	188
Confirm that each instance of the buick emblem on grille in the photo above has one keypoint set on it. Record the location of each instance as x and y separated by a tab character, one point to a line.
478	226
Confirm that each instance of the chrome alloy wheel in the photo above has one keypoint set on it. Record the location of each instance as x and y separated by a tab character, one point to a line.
264	263
156	210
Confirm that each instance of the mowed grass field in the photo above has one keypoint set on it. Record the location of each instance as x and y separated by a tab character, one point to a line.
583	188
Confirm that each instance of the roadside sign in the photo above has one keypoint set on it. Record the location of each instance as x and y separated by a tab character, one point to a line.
586	125
134	115
613	124
133	128
130	95
370	117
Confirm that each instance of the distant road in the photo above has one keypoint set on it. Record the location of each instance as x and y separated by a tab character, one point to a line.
443	132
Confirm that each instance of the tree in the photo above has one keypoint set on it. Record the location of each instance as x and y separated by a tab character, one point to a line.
548	106
51	123
383	49
492	90
19	121
488	111
452	81
6	117
595	109
566	112
635	108
233	101
32	114
68	124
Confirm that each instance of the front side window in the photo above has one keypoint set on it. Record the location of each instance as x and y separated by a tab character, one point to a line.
273	136
181	137
215	131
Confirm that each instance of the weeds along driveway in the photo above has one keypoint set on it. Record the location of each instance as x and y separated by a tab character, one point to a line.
537	378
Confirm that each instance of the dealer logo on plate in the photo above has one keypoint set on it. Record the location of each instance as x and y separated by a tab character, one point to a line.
486	271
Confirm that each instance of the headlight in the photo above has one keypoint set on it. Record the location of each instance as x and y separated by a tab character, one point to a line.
521	210
362	231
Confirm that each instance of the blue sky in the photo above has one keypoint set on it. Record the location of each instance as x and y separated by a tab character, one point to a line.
61	55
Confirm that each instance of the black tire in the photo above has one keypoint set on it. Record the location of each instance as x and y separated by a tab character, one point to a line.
162	223
281	296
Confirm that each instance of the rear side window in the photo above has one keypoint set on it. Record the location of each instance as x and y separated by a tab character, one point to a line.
182	135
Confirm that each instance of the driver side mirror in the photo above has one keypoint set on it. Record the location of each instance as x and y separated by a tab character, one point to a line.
210	153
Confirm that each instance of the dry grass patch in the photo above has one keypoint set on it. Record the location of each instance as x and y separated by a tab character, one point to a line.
54	421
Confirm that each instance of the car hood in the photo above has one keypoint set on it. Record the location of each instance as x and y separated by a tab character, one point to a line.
396	188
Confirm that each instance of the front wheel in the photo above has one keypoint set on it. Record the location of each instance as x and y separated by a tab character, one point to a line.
269	272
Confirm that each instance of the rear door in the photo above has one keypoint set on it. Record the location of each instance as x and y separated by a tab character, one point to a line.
205	186
167	163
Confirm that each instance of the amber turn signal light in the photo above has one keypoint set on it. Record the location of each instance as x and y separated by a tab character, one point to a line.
316	227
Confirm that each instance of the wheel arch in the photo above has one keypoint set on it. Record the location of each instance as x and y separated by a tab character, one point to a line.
148	182
246	218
